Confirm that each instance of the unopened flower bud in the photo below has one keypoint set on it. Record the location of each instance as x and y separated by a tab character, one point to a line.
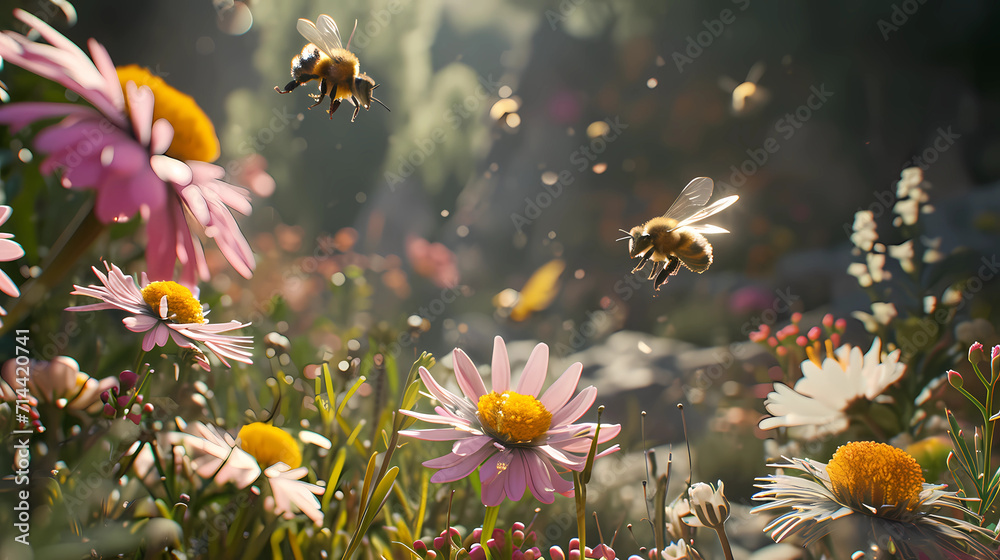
709	504
420	548
828	320
675	551
955	379
109	410
127	379
975	353
556	553
995	360
105	397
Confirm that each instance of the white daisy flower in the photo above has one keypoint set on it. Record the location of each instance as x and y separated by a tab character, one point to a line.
819	403
880	489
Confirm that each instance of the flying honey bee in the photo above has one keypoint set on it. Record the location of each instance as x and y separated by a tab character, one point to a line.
673	238
337	68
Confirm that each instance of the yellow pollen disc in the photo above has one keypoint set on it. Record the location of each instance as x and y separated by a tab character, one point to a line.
514	417
182	306
270	445
194	134
866	473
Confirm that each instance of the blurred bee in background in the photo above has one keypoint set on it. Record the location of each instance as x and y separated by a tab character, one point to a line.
747	96
672	239
337	68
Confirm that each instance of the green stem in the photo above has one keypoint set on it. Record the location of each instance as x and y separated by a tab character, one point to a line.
580	496
724	540
489	523
81	233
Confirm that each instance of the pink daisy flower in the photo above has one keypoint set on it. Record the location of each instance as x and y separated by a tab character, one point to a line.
165	311
122	148
9	251
514	437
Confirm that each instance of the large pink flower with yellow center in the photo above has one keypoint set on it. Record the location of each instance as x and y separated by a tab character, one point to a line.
143	146
514	437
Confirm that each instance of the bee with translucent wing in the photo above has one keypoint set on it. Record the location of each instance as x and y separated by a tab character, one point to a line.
674	238
337	68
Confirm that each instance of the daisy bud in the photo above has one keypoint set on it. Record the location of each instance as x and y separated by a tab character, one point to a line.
477	552
439	541
975	353
477	535
802	341
814	333
955	379
147	408
675	551
796	317
127	379
533	553
828	320
420	548
602	552
517	554
757	336
709	504
840	325
782	351
138	399
518	537
431	555
556	553
105	397
772	342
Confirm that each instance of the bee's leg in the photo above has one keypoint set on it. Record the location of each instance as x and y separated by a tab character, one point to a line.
657	267
334	105
288	87
642	261
357	107
322	94
296	83
669	270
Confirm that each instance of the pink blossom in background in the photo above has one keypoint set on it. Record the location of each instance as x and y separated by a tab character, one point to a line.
432	260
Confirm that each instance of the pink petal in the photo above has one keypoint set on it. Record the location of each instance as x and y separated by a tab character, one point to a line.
140	106
501	367
162	135
575	408
104	65
533	376
468	376
493	478
439	392
5	212
7	285
443	434
539	481
19	115
516	476
463	467
559	393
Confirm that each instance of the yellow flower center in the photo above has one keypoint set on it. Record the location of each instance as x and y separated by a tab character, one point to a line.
875	477
270	445
514	417
194	134
182	306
